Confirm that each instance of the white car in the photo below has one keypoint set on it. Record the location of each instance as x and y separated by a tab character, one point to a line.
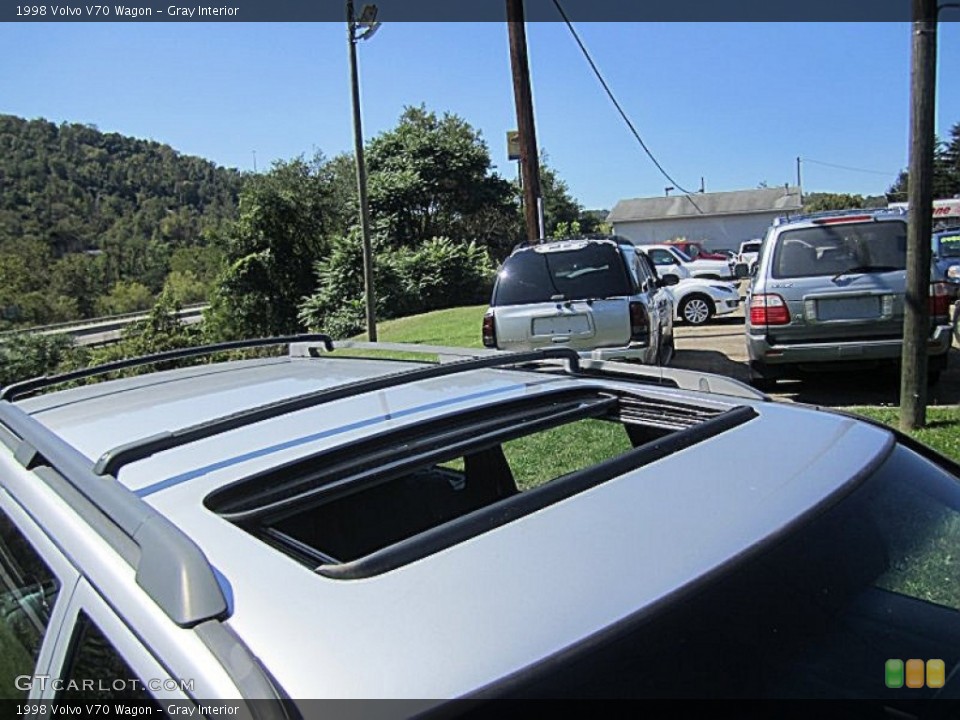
670	260
747	258
698	300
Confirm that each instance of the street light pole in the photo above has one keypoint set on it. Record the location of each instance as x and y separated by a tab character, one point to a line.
369	298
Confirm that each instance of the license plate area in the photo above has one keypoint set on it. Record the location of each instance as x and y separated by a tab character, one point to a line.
573	324
861	307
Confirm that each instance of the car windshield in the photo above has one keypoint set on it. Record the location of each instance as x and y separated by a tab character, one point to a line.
835	250
822	611
595	270
950	245
750	247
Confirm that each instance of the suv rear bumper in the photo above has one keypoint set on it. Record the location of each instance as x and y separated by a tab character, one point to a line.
764	353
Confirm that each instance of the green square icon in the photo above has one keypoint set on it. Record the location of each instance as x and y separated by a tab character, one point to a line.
893	673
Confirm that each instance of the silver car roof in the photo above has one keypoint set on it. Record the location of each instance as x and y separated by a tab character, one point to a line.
507	598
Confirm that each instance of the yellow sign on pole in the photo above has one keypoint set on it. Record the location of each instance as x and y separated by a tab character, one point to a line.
513	145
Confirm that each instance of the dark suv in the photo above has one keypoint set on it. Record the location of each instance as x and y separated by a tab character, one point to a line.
595	295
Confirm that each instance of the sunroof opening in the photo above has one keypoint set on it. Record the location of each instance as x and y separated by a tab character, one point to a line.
379	503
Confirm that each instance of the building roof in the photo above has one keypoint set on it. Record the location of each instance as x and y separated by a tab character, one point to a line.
739	202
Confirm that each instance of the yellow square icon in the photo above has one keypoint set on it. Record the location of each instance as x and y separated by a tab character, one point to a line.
936	673
914	673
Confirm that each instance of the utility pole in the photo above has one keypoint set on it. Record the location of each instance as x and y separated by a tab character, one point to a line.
370	299
916	325
529	155
799	181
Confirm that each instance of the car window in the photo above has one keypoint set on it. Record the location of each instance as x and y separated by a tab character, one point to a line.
28	590
661	257
96	671
819	611
950	246
750	248
592	271
827	250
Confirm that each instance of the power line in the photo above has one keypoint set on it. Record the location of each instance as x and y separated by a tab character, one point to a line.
847	167
616	104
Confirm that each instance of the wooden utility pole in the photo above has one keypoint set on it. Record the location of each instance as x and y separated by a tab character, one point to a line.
916	325
529	155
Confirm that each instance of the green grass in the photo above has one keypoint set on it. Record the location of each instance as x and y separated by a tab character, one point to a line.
455	327
942	432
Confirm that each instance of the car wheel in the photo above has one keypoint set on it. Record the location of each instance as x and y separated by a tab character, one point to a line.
764	384
696	309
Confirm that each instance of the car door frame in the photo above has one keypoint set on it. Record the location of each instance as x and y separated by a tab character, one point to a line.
65	572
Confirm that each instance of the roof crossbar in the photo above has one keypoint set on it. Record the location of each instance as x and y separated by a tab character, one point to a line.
26	387
112	460
170	568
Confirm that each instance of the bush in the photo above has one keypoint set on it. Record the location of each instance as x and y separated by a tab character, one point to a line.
439	274
26	355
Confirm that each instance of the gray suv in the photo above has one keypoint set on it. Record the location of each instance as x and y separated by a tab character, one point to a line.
829	292
599	296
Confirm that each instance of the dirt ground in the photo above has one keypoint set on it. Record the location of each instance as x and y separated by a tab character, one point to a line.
720	347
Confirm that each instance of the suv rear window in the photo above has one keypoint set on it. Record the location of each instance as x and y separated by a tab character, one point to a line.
592	271
841	248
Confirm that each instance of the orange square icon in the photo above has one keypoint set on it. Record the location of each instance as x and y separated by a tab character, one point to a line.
915	673
936	673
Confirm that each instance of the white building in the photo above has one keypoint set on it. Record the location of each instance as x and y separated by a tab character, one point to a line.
720	220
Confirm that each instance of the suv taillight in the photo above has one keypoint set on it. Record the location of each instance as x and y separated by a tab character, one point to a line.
489	331
639	322
768	309
941	297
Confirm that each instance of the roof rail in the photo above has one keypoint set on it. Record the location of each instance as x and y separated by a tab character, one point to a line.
112	460
170	567
26	387
874	212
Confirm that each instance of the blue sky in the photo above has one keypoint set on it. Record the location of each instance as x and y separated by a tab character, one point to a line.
732	103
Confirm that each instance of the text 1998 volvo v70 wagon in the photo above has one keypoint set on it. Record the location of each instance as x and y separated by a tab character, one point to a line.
494	525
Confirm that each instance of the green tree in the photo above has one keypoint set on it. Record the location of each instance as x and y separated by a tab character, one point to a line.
285	219
946	170
432	176
125	297
815	202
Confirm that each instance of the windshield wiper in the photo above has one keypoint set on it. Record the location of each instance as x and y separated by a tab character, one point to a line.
865	269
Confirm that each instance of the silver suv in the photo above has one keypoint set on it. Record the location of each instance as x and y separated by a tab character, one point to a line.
599	296
529	524
829	292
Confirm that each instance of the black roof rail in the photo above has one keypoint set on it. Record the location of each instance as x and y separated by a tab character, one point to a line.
26	387
170	567
112	460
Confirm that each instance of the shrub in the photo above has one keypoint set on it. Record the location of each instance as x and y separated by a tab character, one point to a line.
439	274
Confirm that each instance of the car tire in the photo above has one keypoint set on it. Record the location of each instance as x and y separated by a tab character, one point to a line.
763	384
696	309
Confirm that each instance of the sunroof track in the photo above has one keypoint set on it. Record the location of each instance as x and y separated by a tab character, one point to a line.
111	461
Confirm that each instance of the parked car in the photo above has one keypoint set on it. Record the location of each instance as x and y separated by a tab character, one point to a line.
829	292
696	250
698	300
669	260
746	262
595	295
946	257
500	525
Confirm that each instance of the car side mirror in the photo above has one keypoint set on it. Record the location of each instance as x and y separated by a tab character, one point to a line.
669	280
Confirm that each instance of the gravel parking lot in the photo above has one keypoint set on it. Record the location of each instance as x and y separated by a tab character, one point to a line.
720	347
